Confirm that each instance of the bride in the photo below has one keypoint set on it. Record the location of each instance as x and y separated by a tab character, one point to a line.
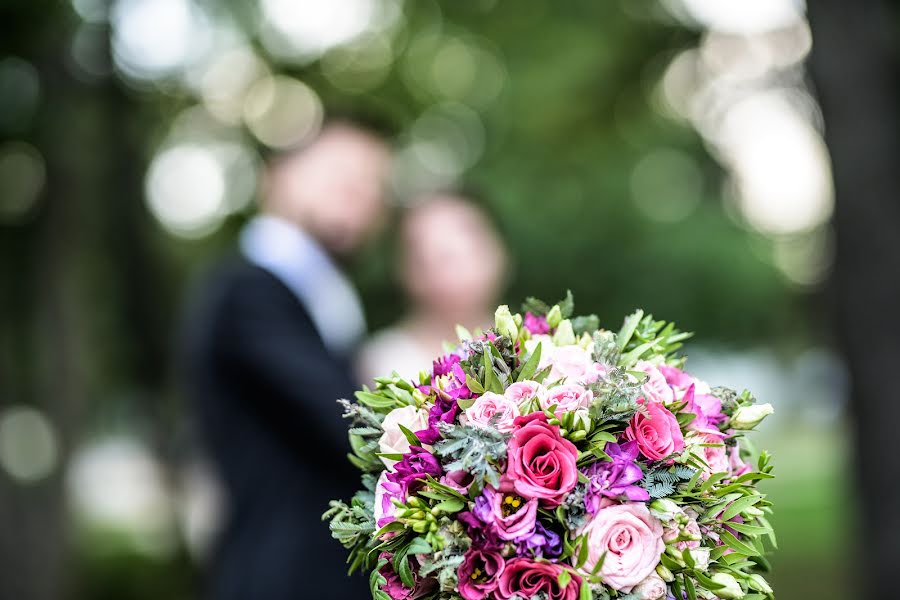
452	266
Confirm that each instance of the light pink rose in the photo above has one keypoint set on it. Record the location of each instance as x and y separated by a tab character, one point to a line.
656	388
492	411
524	390
652	588
574	364
631	539
541	462
567	398
656	431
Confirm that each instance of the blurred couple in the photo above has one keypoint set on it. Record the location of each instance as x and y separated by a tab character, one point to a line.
276	336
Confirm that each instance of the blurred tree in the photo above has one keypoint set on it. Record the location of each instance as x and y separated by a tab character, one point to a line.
856	71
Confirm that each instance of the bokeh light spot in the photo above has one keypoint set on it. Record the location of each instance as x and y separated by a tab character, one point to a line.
28	444
185	188
282	112
22	178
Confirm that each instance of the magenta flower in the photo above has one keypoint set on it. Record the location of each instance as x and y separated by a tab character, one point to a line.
394	586
479	573
536	325
615	479
444	410
416	465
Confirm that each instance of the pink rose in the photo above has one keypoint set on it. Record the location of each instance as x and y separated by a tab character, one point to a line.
574	364
524	390
492	410
656	388
656	431
567	398
715	456
631	539
478	574
541	462
512	515
525	578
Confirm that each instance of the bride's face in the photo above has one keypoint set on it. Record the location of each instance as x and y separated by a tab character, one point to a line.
453	261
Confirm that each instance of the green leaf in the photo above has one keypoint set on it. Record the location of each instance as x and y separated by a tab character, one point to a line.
451	505
628	327
542	374
474	385
689	586
411	437
374	400
712	480
531	364
585	592
707	581
582	551
564	578
688	558
465	403
737	545
463	334
489	376
419	545
390	455
567	305
740	505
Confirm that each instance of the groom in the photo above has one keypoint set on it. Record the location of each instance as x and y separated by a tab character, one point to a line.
267	356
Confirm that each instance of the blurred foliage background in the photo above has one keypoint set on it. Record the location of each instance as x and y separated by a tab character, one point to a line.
667	155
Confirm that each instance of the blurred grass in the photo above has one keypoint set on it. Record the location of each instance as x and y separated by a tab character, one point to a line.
813	511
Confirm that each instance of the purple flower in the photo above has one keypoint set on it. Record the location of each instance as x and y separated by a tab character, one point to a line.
615	478
444	410
394	587
542	543
482	534
417	464
536	324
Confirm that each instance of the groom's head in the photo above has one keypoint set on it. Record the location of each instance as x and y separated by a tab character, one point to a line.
333	187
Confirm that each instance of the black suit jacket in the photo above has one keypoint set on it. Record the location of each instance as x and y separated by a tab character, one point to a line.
264	388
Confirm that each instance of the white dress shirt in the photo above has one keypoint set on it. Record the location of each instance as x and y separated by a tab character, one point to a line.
296	259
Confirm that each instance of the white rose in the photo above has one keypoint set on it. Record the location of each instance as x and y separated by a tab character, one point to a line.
652	588
748	417
701	558
393	441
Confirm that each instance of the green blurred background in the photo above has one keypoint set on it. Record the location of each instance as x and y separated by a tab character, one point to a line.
664	155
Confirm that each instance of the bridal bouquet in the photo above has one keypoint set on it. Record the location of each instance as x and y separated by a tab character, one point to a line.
551	458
